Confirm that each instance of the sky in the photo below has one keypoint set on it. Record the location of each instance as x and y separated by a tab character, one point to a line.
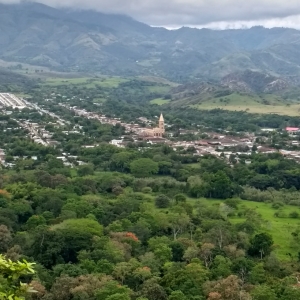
217	14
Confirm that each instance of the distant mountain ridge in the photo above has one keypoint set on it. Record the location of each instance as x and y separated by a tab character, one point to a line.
73	40
254	82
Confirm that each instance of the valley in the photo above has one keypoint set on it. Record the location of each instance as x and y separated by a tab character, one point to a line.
144	163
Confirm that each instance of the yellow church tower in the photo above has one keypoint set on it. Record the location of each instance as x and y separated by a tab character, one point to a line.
161	123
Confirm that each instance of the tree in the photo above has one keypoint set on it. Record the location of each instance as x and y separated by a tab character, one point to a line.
263	292
120	161
143	167
35	221
122	270
177	295
290	293
221	267
225	210
118	296
206	253
178	222
191	253
179	198
221	186
188	280
220	234
111	288
163	253
85	170
229	288
162	201
5	238
242	266
152	290
258	274
63	241
261	245
11	288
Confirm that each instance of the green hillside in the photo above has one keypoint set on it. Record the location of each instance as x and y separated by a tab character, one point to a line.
279	228
265	104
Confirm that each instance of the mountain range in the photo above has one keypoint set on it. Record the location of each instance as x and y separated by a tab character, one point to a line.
82	40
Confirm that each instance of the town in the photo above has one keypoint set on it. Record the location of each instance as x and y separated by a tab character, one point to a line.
219	143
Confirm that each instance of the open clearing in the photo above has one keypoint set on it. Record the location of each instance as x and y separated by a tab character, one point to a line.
109	82
159	101
279	228
265	104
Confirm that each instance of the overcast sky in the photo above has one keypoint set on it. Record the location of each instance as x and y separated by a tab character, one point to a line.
198	13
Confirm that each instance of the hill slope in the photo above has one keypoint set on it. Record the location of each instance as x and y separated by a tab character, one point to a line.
252	92
69	40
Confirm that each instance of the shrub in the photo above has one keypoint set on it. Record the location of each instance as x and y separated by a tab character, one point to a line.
277	205
280	214
294	215
162	201
232	202
147	190
180	198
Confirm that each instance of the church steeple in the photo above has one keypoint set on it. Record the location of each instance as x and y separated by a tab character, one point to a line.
161	123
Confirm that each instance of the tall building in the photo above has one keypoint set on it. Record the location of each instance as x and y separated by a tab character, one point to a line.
161	123
156	131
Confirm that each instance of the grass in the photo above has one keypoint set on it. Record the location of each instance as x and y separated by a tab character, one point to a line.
22	95
159	101
158	80
264	104
107	82
163	89
279	228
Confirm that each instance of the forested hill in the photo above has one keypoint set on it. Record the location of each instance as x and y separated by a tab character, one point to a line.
14	82
113	44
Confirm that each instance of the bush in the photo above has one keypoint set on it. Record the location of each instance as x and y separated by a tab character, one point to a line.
277	205
162	201
294	215
232	202
180	198
147	190
294	203
280	214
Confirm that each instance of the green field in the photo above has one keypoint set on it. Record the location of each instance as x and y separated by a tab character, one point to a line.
279	228
159	101
158	80
265	104
108	82
163	89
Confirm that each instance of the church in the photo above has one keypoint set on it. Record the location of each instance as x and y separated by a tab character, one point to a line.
156	131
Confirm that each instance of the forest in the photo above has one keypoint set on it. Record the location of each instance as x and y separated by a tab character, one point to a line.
140	222
140	225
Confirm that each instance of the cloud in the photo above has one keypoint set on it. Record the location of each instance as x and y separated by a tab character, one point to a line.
197	13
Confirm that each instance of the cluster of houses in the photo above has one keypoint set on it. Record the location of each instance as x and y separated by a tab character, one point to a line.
215	144
70	160
38	133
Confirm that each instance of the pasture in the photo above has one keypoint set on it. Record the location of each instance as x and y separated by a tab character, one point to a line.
159	101
279	228
264	104
105	82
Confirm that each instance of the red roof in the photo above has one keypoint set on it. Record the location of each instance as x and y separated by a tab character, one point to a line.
291	128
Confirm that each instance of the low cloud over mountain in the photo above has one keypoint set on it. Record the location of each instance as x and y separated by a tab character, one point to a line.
176	13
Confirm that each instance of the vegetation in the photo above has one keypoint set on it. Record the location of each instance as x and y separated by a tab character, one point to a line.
144	222
11	288
252	104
